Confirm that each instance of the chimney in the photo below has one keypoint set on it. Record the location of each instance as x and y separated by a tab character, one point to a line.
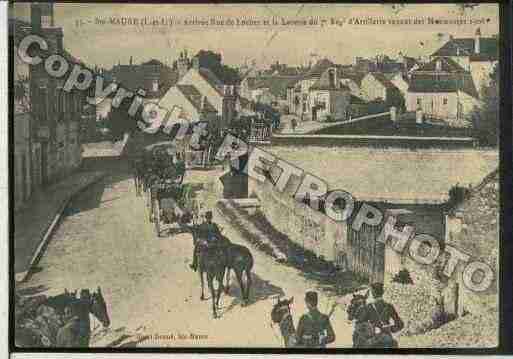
477	41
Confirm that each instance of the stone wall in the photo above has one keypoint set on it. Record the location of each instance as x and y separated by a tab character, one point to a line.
305	227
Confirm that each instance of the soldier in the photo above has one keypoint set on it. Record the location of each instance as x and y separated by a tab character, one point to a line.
207	230
314	329
379	313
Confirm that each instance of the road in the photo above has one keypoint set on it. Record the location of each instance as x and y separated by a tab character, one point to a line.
105	240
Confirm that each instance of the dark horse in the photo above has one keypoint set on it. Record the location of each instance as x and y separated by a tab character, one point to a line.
212	261
282	316
363	331
62	320
240	259
76	332
227	255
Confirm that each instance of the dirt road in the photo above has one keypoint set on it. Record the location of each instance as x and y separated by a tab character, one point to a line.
105	240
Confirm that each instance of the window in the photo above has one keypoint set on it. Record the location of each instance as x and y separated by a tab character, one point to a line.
419	101
445	101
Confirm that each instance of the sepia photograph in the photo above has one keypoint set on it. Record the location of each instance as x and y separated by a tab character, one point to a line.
255	175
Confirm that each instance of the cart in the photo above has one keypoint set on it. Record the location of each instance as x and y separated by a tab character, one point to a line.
163	183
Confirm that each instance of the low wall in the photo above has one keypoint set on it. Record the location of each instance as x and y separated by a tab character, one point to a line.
373	141
305	227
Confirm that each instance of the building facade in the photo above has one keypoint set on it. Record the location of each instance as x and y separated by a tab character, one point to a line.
56	114
443	90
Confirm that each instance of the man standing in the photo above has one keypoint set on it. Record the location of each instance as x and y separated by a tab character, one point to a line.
379	314
207	230
314	329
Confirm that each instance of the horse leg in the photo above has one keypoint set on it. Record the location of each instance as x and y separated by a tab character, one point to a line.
227	288
210	279
238	273
202	285
248	284
220	281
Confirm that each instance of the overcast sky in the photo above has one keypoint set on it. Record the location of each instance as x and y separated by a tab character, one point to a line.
106	45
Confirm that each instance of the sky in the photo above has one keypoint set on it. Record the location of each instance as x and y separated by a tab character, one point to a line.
106	44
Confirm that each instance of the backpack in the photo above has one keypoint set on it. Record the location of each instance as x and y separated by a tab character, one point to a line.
383	339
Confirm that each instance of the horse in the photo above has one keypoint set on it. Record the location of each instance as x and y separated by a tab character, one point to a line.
59	302
282	316
363	331
76	332
212	261
240	259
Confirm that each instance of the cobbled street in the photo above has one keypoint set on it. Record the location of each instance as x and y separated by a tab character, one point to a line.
105	239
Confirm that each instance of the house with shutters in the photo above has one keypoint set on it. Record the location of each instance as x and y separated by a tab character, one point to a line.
298	92
443	90
478	55
329	99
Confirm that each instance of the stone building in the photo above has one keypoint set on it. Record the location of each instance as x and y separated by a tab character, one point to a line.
56	114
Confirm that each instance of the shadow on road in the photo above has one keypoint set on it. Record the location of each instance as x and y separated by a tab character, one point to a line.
261	289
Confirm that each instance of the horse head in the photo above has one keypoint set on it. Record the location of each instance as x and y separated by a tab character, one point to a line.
99	308
281	309
357	302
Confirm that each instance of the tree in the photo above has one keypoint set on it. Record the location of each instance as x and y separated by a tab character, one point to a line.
120	122
213	61
485	119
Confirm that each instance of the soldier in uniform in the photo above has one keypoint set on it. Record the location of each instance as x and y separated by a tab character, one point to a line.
379	314
207	230
314	329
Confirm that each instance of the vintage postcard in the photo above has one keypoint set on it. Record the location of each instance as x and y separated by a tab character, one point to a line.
255	175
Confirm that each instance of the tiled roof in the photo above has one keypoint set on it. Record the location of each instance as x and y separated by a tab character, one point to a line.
444	83
489	48
447	65
277	85
322	84
357	77
212	79
383	80
195	98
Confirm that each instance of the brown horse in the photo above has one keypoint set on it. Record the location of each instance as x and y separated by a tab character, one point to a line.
240	259
212	261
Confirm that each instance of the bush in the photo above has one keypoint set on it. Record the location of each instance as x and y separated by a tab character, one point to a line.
403	277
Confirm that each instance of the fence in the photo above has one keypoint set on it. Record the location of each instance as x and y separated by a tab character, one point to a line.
260	132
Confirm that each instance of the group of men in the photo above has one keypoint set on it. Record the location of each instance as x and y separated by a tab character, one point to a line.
314	329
